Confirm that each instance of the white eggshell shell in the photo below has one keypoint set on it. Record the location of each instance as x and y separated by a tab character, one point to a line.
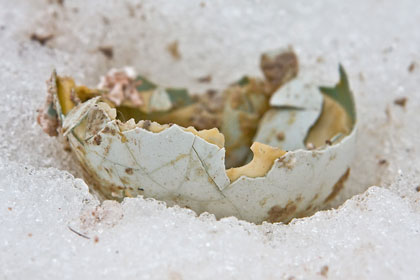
300	92
181	168
293	124
303	179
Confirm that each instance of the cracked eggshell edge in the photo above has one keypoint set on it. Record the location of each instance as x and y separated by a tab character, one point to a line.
205	186
179	167
173	165
298	184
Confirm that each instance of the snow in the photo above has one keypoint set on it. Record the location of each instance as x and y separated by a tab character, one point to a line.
51	227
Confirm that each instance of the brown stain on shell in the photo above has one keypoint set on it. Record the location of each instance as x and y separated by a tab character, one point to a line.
315	197
97	139
285	214
281	214
129	171
288	163
338	186
107	170
123	138
107	129
292	118
280	136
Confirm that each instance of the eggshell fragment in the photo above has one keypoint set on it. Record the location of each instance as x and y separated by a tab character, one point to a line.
286	128
298	183
298	93
186	167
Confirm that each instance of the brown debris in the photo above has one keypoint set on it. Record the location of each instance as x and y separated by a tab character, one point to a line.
147	124
96	239
97	139
205	79
174	50
338	186
105	20
418	188
131	10
288	163
208	110
204	118
9	208
400	101
411	67
59	2
281	68
78	233
382	162
107	51
40	38
324	271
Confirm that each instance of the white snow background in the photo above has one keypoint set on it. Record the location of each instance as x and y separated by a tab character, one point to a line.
374	234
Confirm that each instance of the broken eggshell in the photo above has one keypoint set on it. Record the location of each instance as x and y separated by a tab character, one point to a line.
186	167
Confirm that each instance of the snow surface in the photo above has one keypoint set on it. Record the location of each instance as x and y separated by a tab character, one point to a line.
52	228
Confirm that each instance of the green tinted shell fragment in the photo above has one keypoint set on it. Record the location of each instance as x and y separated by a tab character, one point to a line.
145	84
124	113
179	97
342	94
51	111
243	81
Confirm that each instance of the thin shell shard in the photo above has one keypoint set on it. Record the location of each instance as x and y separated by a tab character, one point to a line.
298	93
315	171
186	167
286	128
